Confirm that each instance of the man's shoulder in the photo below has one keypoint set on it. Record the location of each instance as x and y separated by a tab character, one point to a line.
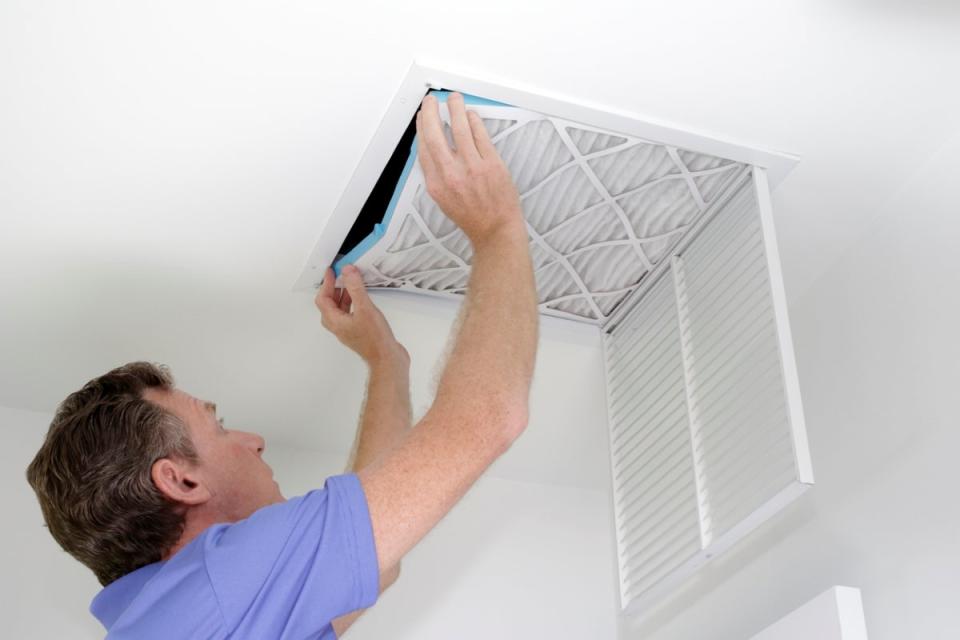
162	600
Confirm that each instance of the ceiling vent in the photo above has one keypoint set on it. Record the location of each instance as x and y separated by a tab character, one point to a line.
602	211
664	239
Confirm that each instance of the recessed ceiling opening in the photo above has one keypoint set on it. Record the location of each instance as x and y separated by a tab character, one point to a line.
606	197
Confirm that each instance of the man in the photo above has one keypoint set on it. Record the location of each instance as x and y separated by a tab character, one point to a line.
180	518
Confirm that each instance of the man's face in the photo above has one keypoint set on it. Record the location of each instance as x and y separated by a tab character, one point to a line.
231	466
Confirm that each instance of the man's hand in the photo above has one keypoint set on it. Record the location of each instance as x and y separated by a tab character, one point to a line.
350	314
471	184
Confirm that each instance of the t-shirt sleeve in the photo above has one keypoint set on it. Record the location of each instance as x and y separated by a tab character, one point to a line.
295	566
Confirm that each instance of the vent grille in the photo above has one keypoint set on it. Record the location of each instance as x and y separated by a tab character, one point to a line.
656	504
702	444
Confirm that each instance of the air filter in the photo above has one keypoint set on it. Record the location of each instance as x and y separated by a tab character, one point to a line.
602	209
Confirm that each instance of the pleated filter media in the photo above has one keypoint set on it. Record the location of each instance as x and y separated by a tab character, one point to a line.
663	239
602	209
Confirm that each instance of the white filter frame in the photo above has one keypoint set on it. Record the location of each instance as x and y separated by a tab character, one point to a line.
421	78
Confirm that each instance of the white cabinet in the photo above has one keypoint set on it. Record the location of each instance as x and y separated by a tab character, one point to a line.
835	614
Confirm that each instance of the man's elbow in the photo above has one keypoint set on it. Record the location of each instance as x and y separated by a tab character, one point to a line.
514	420
499	422
511	419
389	576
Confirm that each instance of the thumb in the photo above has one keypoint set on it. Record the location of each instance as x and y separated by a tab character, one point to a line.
353	281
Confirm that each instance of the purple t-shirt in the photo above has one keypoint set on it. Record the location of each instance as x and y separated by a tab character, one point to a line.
285	572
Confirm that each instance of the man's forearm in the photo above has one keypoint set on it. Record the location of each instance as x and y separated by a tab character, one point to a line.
386	414
493	358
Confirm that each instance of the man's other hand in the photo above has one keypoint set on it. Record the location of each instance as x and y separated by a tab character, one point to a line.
350	315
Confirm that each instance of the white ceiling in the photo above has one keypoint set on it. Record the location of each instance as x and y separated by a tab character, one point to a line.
165	169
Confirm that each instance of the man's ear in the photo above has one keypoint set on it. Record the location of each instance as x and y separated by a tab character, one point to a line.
176	480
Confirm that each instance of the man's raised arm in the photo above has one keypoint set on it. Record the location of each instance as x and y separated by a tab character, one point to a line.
482	399
385	419
351	316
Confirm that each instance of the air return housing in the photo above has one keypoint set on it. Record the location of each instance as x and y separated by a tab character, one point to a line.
663	239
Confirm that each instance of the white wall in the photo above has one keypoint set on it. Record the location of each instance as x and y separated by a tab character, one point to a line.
44	593
879	359
514	559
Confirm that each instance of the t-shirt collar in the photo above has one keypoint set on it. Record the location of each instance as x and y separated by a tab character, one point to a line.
114	599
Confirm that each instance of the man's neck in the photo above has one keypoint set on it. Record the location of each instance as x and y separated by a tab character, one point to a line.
194	524
199	518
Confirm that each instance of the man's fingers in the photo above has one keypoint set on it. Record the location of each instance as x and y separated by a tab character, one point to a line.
481	139
462	135
423	155
345	300
330	313
356	289
431	130
327	302
327	289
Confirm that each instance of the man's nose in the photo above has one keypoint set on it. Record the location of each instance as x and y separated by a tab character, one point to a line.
257	441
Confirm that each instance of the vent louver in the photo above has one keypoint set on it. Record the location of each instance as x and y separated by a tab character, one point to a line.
704	446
